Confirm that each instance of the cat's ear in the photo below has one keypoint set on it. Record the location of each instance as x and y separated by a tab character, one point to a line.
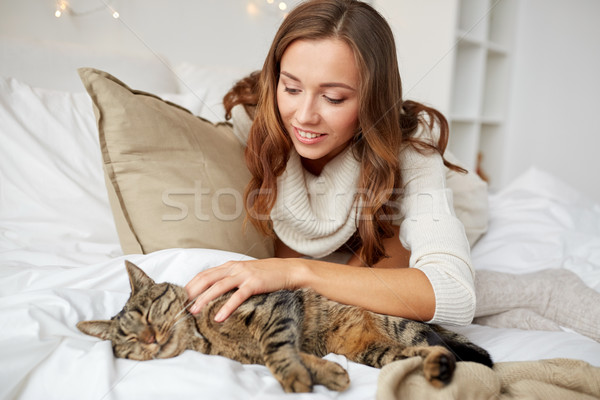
137	278
99	329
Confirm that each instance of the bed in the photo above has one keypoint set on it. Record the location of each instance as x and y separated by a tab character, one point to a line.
62	246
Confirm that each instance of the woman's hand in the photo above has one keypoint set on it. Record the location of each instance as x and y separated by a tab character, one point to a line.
249	277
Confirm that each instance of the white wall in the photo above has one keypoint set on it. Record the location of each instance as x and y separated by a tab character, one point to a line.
555	80
224	32
210	32
424	33
555	93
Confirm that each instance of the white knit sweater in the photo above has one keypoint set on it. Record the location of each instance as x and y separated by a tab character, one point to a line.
315	215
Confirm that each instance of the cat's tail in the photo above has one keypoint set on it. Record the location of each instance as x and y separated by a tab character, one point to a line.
463	348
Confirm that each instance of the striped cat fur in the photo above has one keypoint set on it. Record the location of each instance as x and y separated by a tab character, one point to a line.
288	331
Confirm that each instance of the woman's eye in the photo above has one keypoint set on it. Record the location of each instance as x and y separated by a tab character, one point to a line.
291	90
334	101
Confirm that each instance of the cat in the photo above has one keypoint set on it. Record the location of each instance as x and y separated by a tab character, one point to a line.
288	331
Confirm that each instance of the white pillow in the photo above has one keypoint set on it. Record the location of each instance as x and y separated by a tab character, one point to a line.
53	197
539	222
53	194
53	65
209	83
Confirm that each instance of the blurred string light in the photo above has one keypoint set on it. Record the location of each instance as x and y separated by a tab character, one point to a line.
64	8
254	7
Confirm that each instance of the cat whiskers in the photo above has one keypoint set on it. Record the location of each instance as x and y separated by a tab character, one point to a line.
178	319
185	307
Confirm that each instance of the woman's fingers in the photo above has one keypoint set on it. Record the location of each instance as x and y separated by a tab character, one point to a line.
210	284
232	304
205	279
249	277
210	294
202	281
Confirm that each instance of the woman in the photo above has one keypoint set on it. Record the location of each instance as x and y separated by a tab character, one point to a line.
341	163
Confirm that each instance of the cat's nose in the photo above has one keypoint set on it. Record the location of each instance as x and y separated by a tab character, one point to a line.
148	336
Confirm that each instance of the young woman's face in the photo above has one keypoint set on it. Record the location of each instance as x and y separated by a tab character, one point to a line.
317	96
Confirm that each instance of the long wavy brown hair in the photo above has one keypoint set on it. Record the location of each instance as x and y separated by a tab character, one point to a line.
386	121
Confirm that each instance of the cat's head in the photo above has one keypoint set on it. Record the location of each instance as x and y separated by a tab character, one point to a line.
153	323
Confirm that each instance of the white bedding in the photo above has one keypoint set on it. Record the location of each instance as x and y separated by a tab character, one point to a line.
42	355
45	357
60	262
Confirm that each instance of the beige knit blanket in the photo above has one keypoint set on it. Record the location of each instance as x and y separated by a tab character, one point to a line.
547	379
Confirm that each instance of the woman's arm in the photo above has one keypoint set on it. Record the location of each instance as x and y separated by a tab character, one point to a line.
395	291
437	288
404	292
435	236
383	284
384	288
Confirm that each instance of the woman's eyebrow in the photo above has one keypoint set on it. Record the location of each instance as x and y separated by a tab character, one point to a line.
326	84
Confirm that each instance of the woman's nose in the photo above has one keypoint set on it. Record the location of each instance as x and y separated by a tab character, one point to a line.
307	112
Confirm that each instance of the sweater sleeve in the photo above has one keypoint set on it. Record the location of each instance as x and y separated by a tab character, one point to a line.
435	236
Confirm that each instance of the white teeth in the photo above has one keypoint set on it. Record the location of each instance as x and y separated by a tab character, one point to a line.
308	135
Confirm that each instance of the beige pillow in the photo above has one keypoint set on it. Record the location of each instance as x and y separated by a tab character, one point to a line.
174	180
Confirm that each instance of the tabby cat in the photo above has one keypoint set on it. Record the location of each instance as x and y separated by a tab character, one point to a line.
288	331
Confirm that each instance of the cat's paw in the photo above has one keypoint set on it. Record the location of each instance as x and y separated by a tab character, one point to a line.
334	377
439	366
327	373
296	379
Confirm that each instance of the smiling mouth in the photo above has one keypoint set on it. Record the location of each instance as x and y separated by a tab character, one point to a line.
307	137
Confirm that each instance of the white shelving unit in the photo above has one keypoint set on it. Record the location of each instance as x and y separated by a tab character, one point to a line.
484	35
